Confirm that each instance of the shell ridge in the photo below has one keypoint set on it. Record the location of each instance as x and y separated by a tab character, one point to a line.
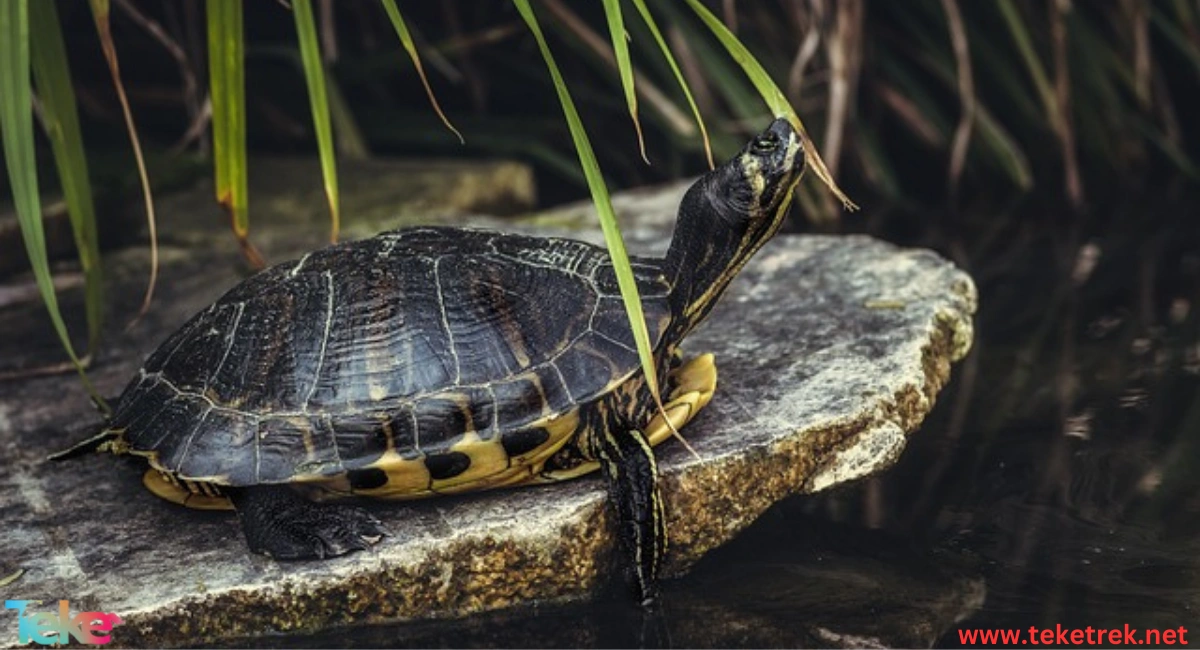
441	301
312	388
187	446
230	338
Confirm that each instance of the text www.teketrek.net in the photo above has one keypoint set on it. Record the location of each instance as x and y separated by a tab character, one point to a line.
1066	636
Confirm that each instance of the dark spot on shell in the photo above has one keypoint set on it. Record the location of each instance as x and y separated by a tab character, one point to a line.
523	440
447	465
367	479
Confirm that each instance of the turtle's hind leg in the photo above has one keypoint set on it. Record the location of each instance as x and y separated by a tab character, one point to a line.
629	466
286	526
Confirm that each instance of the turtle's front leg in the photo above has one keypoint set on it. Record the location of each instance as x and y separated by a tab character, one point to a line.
628	463
286	526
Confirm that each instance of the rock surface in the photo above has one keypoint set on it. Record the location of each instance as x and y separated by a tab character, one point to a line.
795	582
830	351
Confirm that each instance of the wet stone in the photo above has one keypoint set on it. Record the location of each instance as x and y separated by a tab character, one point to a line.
830	352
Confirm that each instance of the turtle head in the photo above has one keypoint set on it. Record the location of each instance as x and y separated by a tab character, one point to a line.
755	187
727	215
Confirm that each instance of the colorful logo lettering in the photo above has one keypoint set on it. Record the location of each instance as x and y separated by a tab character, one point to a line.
49	628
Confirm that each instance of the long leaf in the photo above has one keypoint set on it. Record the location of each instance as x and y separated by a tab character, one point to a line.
1024	42
771	94
61	121
616	30
648	19
314	74
349	138
406	40
227	84
608	218
16	131
100	14
713	63
1003	146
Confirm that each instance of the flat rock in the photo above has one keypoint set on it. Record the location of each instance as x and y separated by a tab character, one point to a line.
830	352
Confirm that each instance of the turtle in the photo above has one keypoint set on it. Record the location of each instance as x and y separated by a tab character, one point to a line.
438	360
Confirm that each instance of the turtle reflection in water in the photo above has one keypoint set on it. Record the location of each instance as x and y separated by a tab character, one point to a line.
441	360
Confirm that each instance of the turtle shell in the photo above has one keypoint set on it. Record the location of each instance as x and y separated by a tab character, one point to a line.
455	353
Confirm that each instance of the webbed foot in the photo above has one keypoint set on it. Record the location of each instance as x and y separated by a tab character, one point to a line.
284	525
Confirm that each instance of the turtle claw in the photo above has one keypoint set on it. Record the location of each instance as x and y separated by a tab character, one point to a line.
285	526
355	530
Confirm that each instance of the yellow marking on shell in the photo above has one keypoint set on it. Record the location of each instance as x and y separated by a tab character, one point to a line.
537	384
408	478
523	469
377	392
693	386
117	446
490	466
165	486
388	435
487	459
512	329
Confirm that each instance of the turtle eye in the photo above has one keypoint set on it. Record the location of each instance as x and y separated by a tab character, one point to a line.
765	143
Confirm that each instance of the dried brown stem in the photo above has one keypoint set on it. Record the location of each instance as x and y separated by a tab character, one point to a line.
1062	96
103	27
693	72
966	94
807	49
191	87
908	113
843	51
1138	15
476	88
329	40
195	130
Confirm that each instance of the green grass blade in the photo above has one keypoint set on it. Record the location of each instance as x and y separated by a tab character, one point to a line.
1024	42
648	19
349	138
722	74
406	40
314	74
754	71
52	74
1176	37
1007	151
608	218
1003	147
16	131
771	94
227	83
616	30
